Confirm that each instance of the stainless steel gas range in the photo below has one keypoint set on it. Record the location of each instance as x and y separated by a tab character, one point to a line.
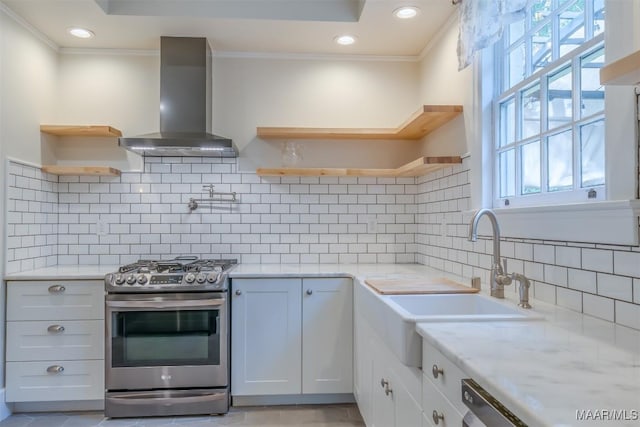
167	338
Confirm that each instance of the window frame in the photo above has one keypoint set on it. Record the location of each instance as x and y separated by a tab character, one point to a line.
572	59
617	222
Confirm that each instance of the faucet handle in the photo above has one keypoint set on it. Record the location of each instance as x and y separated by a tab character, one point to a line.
504	266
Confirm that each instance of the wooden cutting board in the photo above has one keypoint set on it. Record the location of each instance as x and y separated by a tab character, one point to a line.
438	285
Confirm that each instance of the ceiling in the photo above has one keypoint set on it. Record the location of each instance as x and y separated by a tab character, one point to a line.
263	26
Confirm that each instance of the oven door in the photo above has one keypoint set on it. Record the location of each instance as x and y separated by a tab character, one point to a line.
161	341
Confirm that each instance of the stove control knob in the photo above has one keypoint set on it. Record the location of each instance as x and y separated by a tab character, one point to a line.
131	279
119	279
212	277
201	278
142	279
189	278
217	268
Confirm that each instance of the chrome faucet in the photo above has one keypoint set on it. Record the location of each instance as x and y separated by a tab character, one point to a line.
499	278
523	290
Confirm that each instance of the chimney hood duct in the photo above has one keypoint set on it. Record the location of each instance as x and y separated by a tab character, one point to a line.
185	105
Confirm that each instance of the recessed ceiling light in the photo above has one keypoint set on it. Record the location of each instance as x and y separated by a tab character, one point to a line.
406	12
82	33
345	40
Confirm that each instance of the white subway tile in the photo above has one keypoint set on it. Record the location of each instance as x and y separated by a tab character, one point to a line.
616	287
597	306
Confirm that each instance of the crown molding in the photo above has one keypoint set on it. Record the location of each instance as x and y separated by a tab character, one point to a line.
246	55
33	30
108	51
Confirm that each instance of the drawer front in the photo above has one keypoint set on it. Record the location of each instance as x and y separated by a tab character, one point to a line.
433	402
31	382
61	300
55	340
449	381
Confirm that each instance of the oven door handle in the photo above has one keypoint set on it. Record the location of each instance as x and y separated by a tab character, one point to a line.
167	401
166	305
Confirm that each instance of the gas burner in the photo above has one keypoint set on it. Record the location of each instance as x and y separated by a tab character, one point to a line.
176	275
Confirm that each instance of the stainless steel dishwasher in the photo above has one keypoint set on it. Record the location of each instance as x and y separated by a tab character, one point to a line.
484	409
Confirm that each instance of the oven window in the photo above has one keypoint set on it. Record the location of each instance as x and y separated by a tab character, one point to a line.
165	338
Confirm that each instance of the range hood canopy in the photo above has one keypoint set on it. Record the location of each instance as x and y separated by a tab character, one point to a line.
185	105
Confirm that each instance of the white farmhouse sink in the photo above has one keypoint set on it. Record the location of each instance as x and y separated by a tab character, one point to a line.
456	308
395	316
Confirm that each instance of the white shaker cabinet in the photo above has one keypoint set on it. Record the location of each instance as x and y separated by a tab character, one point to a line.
327	336
389	394
55	340
266	339
291	336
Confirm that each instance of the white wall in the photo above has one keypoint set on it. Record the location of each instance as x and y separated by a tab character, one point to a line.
30	70
442	83
123	91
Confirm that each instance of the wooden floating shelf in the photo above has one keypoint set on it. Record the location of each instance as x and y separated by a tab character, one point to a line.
80	170
625	71
93	131
418	167
421	123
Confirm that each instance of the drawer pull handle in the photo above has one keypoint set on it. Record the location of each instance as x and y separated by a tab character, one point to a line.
437	417
56	329
57	289
436	372
385	385
55	369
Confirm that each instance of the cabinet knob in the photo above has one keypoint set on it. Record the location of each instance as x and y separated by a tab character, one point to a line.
56	329
437	417
57	289
436	372
55	369
385	385
238	292
383	382
309	292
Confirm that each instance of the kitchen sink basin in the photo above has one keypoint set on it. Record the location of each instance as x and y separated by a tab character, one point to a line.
456	308
395	316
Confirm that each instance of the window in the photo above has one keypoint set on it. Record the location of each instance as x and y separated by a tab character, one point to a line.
549	105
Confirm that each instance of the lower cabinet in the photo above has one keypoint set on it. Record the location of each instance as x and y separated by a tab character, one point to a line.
388	393
55	341
291	336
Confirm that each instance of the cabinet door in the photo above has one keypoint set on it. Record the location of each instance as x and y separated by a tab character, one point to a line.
266	336
327	330
408	412
383	402
363	369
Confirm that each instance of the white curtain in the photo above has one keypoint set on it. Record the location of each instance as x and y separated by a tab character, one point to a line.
481	23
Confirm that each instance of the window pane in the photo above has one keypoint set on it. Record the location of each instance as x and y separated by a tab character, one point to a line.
516	30
507	165
530	167
539	10
560	161
598	17
592	153
507	122
515	66
559	98
592	92
571	27
541	47
531	111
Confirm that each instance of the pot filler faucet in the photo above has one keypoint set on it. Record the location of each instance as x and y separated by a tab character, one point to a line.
499	276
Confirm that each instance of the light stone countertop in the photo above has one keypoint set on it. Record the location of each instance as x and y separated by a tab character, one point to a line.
542	370
64	272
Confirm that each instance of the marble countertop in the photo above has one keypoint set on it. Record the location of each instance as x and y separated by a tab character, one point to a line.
546	371
64	272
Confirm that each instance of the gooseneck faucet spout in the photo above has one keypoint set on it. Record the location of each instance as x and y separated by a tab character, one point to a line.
499	278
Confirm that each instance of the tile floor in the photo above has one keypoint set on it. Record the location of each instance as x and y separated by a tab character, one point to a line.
307	416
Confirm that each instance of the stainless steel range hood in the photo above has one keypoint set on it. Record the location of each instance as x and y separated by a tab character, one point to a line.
185	105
